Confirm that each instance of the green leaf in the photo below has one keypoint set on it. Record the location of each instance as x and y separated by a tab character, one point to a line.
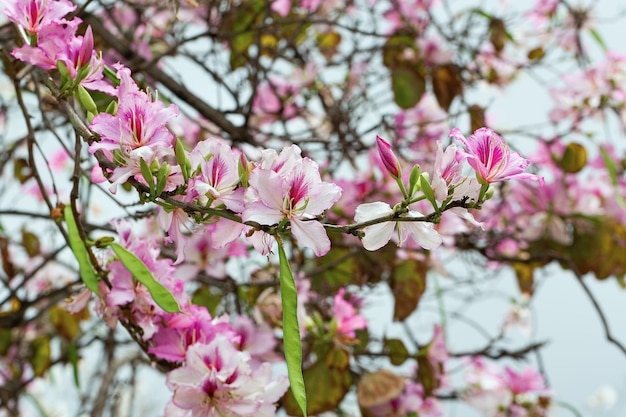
140	271
205	297
610	166
40	355
569	407
326	385
72	356
408	283
291	330
6	339
481	12
66	324
596	36
408	86
30	242
85	268
398	353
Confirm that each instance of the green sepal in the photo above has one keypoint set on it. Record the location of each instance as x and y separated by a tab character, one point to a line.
66	77
414	178
112	108
81	74
182	159
427	190
162	174
147	175
111	75
86	100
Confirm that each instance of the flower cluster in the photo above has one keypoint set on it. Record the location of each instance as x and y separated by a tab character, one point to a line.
54	42
499	393
213	203
217	380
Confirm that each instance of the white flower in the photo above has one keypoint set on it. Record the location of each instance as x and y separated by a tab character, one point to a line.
377	236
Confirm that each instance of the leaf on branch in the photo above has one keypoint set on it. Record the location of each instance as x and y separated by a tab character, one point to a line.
30	242
65	323
328	43
85	268
22	170
396	350
291	332
40	355
408	283
140	271
326	385
525	273
205	297
5	258
379	387
408	85
599	248
498	34
447	84
477	117
427	375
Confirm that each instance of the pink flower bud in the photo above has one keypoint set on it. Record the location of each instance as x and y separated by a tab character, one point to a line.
86	49
388	157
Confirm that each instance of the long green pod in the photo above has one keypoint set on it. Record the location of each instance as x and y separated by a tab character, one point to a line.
140	271
85	268
291	330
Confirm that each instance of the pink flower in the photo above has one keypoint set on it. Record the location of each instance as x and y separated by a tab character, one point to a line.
217	380
139	121
390	161
256	339
377	235
447	179
282	7
346	316
492	159
54	40
33	15
218	180
138	131
528	380
298	195
181	330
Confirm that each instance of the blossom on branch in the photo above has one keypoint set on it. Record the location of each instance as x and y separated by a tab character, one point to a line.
33	15
378	235
390	161
138	130
292	190
491	157
217	380
348	320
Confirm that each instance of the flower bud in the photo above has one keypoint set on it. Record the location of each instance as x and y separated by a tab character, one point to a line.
388	157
